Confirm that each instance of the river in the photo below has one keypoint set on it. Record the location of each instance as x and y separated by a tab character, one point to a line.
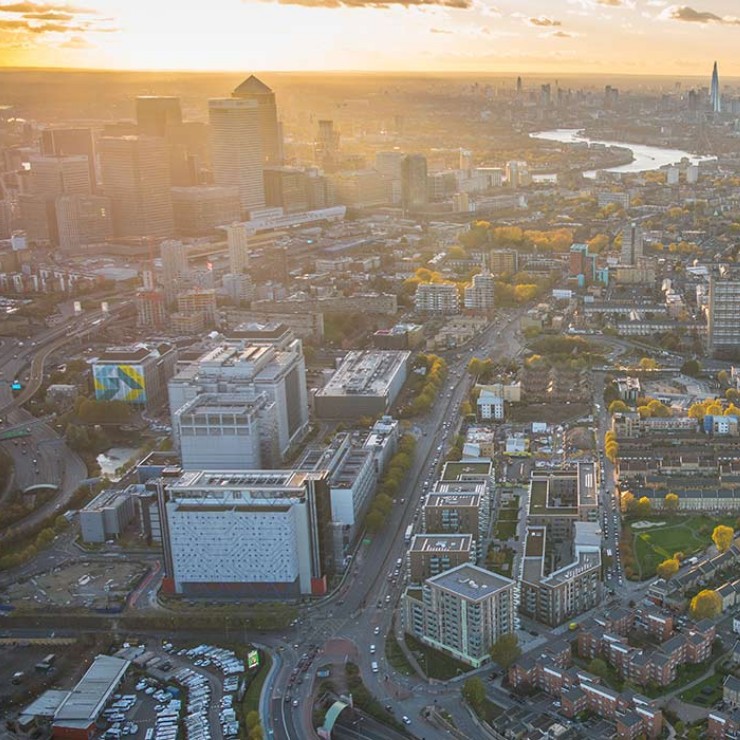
645	157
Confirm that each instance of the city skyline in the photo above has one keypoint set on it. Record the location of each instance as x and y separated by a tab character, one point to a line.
646	36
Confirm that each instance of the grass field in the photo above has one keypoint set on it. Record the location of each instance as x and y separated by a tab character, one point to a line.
689	535
434	663
705	693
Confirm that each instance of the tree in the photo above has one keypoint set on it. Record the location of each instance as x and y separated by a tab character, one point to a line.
671	502
374	520
643	506
505	650
648	363
667	569
707	604
628	501
692	368
474	692
257	733
252	719
598	667
722	537
618	407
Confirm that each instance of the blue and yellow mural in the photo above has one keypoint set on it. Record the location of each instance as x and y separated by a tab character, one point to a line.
120	383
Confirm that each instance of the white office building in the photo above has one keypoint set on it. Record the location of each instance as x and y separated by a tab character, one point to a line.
260	534
227	432
276	369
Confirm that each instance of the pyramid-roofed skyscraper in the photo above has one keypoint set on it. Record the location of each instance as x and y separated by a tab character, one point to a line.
272	145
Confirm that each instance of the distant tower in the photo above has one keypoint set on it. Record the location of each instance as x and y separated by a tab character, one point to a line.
715	99
414	192
236	148
174	267
237	240
155	115
631	244
518	86
270	130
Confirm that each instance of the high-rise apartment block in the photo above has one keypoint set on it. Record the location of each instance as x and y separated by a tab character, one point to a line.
256	91
441	298
175	268
461	612
237	240
414	185
136	177
480	294
236	148
631	244
723	331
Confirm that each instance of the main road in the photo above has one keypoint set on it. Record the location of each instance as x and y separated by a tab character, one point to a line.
362	611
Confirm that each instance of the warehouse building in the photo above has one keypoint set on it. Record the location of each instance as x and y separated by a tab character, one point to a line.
106	516
365	384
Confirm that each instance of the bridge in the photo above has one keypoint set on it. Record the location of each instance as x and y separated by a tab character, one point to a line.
23	429
38	487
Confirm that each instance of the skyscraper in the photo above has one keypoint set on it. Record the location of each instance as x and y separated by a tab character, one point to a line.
174	267
155	114
256	90
414	191
237	239
136	176
236	148
715	98
631	244
68	141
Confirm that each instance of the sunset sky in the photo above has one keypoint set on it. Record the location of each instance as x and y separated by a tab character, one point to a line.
600	36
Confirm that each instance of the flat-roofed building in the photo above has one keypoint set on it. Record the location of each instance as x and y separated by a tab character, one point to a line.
365	384
461	612
262	533
438	298
106	516
431	554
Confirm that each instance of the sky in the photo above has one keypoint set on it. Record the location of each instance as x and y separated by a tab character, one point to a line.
506	36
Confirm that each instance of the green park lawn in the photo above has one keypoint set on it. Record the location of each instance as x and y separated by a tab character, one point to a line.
679	534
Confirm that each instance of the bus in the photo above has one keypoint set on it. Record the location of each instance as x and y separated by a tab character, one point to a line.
409	534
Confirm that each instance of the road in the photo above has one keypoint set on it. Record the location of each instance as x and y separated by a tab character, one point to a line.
362	611
41	457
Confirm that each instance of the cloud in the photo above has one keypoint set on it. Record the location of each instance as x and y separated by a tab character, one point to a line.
459	4
611	3
561	35
543	21
50	15
30	7
690	15
439	30
76	42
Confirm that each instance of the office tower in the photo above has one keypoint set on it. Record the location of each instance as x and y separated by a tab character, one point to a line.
327	145
461	612
389	164
693	100
265	533
545	95
631	244
414	188
672	175
83	220
6	221
49	178
156	115
174	267
723	330
201	209
237	239
715	97
136	177
611	97
466	159
270	130
286	188
518	86
64	142
227	432
692	174
236	148
200	302
479	295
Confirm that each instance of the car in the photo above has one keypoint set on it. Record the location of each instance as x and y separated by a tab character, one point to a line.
373	649
405	720
376	631
374	666
295	702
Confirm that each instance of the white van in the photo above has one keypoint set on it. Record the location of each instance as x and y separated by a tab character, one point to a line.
374	666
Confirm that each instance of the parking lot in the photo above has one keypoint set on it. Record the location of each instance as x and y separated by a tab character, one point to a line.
94	585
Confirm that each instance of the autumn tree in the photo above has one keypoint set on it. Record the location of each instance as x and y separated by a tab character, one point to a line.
505	650
722	537
628	501
670	502
618	407
643	506
648	363
707	604
668	568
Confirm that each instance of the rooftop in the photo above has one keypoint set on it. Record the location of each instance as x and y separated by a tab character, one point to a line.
366	373
441	543
470	582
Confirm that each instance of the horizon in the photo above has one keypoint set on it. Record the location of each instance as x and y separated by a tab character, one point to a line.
622	37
